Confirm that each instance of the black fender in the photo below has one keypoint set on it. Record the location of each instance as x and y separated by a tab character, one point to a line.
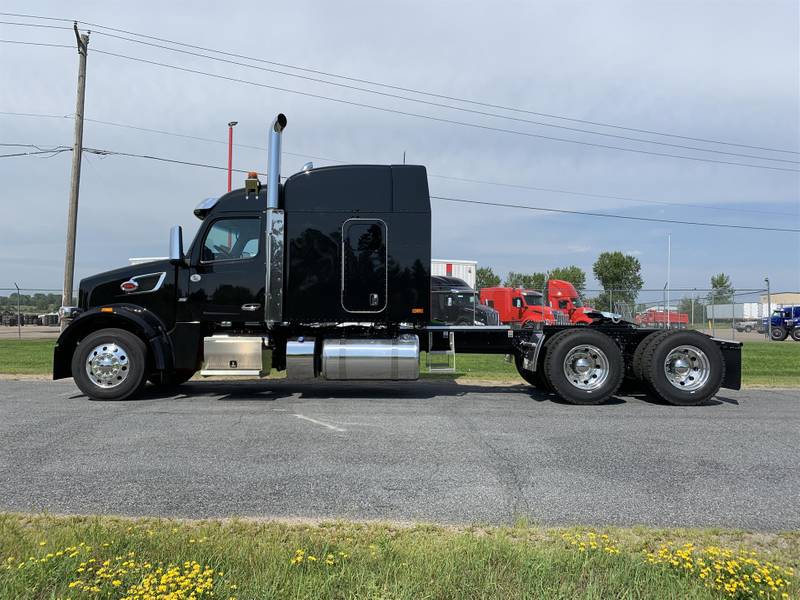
130	317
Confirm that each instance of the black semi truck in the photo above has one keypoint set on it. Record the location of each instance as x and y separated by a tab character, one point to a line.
327	276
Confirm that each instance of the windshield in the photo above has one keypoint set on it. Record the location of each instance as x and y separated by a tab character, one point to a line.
534	299
578	301
463	299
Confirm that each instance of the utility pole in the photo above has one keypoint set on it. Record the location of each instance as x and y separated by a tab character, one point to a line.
231	125
19	313
77	152
769	310
669	269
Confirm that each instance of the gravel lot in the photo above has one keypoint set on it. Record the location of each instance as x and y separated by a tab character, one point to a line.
426	451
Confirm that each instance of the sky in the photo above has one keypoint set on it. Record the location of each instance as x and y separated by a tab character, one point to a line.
721	70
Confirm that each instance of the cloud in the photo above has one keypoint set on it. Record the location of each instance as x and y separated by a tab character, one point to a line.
729	72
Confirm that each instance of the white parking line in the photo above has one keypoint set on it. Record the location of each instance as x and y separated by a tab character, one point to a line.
328	425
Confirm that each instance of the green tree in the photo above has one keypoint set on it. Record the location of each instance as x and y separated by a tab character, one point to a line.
485	277
721	289
575	275
685	306
620	276
532	281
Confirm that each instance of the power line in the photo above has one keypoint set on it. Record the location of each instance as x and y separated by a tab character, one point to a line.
416	91
39	26
433	175
437	119
34	44
408	89
448	106
484	203
613	216
162	159
52	151
610	196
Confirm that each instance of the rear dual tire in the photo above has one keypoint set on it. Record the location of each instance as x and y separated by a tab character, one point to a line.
684	368
583	366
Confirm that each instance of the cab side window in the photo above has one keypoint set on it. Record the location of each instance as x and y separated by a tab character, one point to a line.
231	239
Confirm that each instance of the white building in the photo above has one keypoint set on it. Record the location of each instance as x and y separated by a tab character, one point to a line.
463	269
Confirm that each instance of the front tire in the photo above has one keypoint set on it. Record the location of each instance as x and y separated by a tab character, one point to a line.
685	368
779	334
584	366
109	364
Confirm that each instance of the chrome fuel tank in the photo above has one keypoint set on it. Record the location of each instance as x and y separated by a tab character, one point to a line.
390	359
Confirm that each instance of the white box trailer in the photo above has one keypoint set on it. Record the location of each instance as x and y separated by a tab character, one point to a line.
463	269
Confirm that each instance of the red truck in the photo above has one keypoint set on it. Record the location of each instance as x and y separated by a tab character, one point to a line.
519	307
660	318
563	296
561	304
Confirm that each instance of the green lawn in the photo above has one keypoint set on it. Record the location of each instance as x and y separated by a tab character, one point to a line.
764	363
97	557
28	357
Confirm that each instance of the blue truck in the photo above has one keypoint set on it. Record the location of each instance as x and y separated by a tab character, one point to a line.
785	323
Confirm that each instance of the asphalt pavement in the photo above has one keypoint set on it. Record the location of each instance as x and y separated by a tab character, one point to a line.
433	451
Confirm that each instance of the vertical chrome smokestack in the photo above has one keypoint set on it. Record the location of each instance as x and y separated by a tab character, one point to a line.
274	168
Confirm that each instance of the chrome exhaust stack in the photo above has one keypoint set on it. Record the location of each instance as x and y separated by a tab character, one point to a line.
274	167
273	307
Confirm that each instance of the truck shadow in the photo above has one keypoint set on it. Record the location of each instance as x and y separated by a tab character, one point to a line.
427	389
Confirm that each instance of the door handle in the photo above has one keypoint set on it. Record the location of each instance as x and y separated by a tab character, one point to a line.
251	307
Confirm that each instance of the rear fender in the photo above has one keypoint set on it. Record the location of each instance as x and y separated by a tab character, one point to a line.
135	319
732	354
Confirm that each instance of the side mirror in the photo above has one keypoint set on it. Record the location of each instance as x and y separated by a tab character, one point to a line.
176	255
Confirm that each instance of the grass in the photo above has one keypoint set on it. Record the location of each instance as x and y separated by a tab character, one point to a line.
26	357
774	364
252	559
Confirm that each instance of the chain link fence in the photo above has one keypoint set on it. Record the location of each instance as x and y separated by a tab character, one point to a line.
29	312
735	314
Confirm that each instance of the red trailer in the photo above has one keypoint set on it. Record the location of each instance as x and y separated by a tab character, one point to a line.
661	319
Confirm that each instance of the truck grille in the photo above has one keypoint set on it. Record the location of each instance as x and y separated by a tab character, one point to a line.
561	318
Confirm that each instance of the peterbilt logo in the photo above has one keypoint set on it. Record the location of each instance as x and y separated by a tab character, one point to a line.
129	286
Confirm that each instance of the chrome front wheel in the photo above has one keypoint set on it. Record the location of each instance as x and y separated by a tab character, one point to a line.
107	365
110	364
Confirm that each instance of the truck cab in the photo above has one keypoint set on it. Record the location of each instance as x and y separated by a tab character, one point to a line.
784	322
521	307
563	296
454	302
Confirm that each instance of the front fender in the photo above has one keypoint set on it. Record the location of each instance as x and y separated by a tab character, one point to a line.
135	319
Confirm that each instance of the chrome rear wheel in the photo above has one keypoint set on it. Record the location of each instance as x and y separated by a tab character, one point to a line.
586	367
687	368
